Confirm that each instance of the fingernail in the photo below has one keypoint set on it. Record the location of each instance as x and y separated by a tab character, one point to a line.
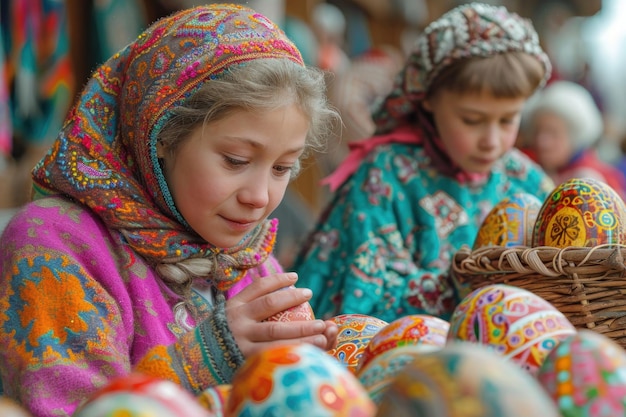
319	326
320	341
306	292
292	276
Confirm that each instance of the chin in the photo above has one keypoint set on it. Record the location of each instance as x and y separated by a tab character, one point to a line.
479	171
223	243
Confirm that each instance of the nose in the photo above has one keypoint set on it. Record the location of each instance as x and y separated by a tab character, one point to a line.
255	192
491	137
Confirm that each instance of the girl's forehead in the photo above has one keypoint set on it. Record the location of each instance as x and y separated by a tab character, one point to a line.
481	102
481	96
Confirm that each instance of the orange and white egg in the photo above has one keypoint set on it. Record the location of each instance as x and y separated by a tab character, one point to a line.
355	332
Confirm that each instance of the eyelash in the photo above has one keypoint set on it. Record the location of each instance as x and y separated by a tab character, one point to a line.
476	122
234	162
238	163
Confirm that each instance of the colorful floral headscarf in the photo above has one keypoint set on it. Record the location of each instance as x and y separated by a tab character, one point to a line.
105	155
472	30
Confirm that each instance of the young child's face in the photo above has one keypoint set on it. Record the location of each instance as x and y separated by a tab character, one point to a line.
229	175
476	129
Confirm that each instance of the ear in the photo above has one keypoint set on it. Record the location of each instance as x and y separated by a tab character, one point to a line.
160	148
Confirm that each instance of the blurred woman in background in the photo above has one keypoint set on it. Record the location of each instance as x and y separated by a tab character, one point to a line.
561	126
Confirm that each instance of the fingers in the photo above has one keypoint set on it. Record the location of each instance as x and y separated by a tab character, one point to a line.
317	341
331	333
289	330
278	301
266	285
280	333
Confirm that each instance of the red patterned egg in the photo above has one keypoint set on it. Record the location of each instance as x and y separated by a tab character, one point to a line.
215	398
464	380
382	369
514	322
138	395
303	311
510	222
355	332
296	380
581	212
586	376
416	329
296	313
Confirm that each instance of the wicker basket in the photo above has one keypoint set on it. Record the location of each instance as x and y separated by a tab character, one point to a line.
588	285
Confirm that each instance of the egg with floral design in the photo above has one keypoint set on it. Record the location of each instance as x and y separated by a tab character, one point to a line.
414	329
586	376
581	212
513	322
355	332
296	380
510	222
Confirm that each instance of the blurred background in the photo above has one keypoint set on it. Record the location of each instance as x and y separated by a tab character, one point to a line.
48	48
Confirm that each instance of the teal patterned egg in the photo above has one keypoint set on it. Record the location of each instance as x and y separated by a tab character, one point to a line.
296	380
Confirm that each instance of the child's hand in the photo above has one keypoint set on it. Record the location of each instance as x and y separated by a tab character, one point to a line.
261	299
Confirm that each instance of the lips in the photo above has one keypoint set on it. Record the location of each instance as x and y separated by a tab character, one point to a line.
485	161
241	221
239	224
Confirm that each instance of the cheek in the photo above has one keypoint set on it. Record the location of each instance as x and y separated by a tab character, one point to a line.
277	192
458	140
509	139
197	185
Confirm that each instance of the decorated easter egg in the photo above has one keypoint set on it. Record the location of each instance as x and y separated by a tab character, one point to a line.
383	368
215	398
418	329
516	323
355	332
138	395
10	408
581	212
296	313
300	312
586	376
510	222
464	380
296	380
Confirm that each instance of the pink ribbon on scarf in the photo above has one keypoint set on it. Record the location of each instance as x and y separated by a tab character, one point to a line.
359	150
